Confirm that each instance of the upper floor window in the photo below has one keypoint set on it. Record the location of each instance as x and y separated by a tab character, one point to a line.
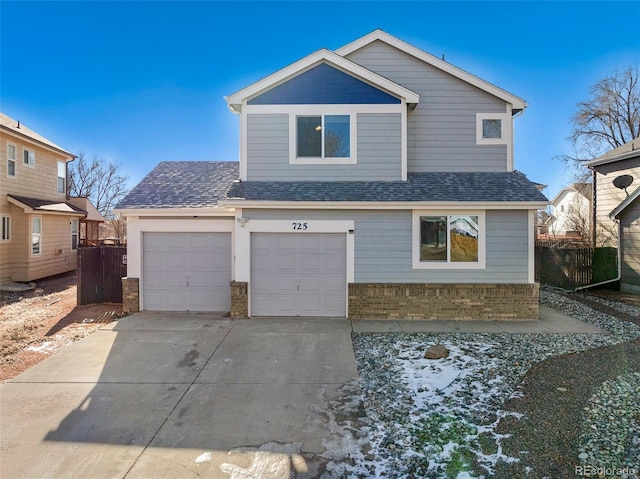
36	235
29	157
74	234
492	128
322	139
11	160
448	241
62	177
323	136
6	228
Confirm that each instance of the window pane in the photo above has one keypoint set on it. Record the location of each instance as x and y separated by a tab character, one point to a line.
491	128
11	168
36	235
463	232
433	238
11	152
309	136
6	228
336	136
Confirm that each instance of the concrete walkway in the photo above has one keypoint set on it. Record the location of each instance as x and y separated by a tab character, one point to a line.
162	395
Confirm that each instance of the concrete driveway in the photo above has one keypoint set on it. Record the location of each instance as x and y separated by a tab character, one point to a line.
160	395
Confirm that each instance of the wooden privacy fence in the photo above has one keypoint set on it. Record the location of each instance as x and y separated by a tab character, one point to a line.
100	272
564	267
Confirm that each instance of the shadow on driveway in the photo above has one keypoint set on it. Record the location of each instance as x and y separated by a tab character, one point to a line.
181	395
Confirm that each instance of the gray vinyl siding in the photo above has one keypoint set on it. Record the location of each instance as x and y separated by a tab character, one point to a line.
631	245
379	153
383	246
442	128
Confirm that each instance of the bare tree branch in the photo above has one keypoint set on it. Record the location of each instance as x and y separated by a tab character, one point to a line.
99	181
610	117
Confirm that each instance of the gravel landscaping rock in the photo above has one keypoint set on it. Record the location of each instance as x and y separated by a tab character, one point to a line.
461	416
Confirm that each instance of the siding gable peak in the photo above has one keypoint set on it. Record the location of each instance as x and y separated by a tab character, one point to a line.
518	104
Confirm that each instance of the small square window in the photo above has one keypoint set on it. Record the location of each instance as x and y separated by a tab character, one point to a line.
491	129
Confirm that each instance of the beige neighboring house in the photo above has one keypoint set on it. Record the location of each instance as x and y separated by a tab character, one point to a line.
40	225
617	207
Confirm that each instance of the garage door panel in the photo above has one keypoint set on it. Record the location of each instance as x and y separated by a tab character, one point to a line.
186	271
298	274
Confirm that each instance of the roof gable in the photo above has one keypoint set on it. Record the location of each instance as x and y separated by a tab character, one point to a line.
629	200
236	100
623	152
379	35
9	124
323	84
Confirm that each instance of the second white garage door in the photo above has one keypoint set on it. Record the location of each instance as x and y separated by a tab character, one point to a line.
298	274
186	271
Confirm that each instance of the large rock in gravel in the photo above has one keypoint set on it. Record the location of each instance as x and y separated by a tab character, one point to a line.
438	351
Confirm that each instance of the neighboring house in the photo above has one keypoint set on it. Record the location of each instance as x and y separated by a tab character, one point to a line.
571	213
374	181
617	207
40	225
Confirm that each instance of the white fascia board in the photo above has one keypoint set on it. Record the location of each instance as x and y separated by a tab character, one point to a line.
518	103
187	212
235	101
385	205
622	206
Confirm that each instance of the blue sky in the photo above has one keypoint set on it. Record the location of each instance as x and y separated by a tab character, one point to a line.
142	82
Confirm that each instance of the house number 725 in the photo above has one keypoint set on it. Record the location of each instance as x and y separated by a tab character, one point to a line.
300	226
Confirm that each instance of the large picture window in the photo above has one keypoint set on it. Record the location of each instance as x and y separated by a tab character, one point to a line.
323	136
449	240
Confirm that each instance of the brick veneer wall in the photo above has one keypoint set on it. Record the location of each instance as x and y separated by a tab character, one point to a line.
130	295
239	299
443	301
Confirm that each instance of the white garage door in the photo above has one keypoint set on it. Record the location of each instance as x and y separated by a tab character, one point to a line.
186	271
298	274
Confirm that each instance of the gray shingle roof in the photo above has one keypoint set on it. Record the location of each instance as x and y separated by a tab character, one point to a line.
182	184
436	186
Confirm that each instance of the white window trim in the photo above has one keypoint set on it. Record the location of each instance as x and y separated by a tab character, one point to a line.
505	128
7	219
76	234
39	253
323	110
14	160
29	163
441	265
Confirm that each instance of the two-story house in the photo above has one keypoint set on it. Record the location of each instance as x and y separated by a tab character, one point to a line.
571	213
41	225
616	177
374	181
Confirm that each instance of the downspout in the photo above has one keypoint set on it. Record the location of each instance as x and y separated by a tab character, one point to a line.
619	264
